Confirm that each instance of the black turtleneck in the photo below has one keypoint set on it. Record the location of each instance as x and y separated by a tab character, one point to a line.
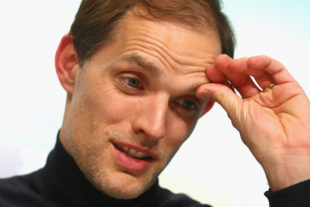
61	184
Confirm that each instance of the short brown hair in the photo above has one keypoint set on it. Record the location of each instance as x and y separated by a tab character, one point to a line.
97	19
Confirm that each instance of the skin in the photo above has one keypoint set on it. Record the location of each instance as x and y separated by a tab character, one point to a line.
116	98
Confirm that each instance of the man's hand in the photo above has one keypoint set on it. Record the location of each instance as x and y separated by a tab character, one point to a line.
273	123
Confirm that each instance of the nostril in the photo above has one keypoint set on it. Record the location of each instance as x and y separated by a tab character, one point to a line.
140	131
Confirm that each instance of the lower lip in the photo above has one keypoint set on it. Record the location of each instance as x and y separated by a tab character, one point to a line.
129	162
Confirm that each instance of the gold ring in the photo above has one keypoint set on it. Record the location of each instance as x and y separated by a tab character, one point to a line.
269	87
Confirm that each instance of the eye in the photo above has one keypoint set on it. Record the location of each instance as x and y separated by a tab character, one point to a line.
133	82
189	105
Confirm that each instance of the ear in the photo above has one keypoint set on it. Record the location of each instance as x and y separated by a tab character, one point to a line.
66	63
207	108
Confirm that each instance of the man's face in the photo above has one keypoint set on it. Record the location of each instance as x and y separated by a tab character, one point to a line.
134	103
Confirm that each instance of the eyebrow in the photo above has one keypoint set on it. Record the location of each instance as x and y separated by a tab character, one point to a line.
144	64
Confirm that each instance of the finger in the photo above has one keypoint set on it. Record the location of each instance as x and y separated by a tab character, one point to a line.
276	71
222	94
243	71
262	79
236	73
245	86
240	79
216	76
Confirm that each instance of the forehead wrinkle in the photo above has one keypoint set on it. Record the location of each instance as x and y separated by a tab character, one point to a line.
144	63
200	79
176	57
174	60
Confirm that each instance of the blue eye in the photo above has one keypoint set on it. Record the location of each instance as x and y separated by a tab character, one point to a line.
188	105
133	83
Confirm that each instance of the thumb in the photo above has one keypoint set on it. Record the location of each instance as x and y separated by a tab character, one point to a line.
222	94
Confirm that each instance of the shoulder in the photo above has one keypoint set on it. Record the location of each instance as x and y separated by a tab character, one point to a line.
18	184
20	191
10	189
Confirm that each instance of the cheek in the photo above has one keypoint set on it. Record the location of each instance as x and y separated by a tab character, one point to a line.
103	103
107	104
178	131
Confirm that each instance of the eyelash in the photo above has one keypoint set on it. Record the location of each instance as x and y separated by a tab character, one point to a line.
193	106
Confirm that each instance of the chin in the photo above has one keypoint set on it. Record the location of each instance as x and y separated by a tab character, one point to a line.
124	195
123	192
121	185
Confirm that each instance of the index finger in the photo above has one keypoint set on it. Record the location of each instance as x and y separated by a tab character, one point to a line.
272	67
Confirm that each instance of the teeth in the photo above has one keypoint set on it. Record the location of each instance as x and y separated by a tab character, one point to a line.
133	153
141	155
125	148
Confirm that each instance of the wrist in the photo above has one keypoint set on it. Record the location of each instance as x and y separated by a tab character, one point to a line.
287	172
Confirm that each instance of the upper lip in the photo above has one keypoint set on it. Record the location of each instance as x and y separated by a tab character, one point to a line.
152	154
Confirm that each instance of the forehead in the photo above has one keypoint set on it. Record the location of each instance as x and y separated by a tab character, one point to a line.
176	46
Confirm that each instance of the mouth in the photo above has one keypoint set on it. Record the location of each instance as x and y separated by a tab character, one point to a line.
136	154
132	157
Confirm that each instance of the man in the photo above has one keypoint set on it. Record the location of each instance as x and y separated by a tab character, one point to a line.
138	76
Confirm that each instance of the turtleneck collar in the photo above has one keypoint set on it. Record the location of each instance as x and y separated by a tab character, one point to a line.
65	184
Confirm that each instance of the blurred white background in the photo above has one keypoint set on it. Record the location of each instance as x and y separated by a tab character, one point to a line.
213	166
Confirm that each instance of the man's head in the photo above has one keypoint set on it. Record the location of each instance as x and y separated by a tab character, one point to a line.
131	84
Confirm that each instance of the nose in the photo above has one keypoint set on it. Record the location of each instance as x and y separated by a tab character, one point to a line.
151	117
